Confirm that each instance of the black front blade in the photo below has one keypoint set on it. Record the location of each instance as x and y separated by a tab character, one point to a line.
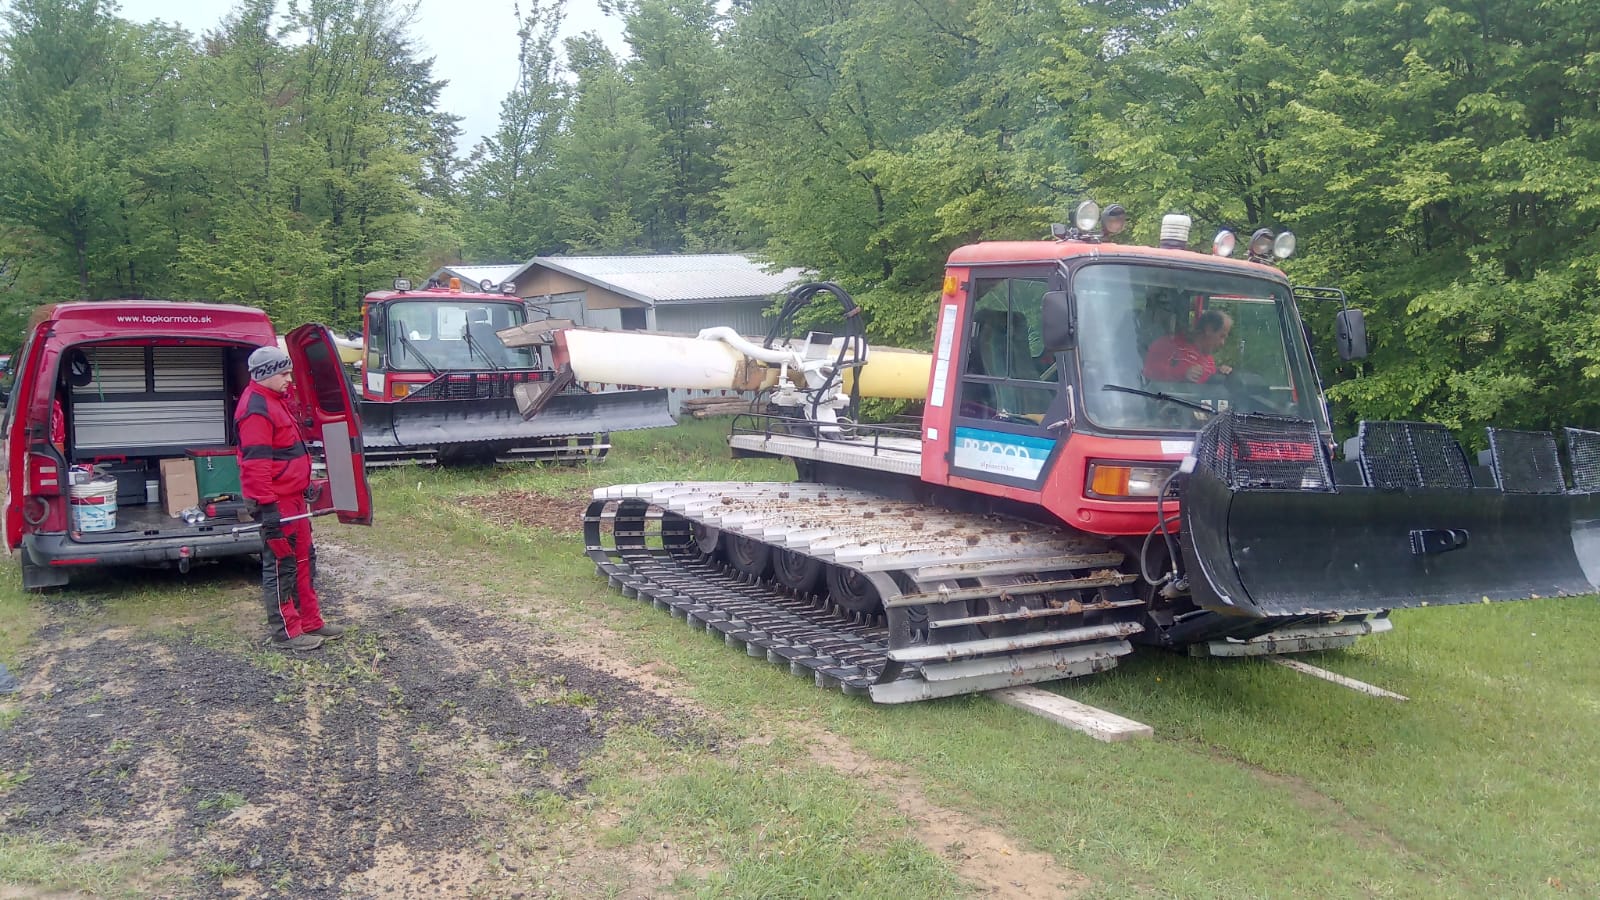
432	423
1268	532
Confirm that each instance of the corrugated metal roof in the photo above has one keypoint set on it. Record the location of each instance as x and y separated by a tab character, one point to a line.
678	278
475	275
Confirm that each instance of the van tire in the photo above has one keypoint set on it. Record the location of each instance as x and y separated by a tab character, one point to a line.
37	578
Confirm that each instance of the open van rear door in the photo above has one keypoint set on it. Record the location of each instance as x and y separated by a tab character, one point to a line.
324	395
20	430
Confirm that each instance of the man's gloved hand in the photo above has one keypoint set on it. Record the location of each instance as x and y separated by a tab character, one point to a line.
271	520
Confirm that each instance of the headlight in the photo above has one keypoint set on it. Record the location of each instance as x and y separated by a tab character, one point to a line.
1087	216
1126	481
1115	219
1223	243
1261	244
1283	245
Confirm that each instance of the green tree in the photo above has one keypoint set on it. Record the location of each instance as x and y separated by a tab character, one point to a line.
677	71
608	165
360	89
85	100
259	246
509	211
832	122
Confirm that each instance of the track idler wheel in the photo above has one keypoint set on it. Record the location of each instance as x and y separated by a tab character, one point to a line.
750	557
796	571
852	592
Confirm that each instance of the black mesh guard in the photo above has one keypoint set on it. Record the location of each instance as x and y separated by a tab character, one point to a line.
1525	462
1407	455
1583	450
474	385
1259	452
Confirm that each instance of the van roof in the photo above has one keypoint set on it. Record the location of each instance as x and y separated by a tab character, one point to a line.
81	321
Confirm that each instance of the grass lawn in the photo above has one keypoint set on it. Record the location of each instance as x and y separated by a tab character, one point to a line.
1260	781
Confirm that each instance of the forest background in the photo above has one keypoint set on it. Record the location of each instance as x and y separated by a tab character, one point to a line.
1440	160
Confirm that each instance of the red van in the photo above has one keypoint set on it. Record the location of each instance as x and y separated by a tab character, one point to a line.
126	384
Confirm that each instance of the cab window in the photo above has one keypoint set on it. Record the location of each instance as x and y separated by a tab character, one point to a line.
1008	376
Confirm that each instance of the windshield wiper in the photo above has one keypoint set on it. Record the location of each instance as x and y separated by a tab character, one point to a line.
432	369
1157	395
473	345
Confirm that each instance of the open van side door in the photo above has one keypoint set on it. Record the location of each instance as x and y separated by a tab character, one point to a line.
324	395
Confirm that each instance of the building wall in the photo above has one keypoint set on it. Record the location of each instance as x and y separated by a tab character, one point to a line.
748	317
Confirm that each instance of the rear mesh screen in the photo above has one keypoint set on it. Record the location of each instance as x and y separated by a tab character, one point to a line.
1583	449
1403	455
1525	462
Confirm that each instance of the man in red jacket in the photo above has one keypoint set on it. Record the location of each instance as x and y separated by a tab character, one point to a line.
274	473
1188	357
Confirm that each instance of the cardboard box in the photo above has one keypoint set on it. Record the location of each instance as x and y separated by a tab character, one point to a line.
179	490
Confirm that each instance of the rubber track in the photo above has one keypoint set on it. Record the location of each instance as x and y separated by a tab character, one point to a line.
640	538
806	634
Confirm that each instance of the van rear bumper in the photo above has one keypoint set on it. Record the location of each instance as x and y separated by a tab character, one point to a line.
58	552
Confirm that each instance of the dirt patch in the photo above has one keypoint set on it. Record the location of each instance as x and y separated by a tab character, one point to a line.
532	509
375	766
984	857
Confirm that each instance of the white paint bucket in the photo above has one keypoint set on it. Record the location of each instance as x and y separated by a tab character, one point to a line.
94	505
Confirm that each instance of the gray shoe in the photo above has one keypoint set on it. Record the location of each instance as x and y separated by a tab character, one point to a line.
328	632
298	642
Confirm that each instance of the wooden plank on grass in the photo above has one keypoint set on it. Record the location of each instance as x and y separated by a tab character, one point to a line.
1096	723
1342	681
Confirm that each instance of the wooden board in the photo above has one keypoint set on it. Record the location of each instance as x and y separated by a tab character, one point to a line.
1340	680
1096	723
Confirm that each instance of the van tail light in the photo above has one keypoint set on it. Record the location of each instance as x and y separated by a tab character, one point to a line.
44	475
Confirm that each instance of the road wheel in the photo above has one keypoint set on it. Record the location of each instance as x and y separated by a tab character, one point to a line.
748	556
796	571
852	591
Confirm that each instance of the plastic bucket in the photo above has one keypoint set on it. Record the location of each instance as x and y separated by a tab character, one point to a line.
94	505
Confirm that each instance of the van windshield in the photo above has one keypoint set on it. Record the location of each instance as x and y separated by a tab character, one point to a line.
1210	339
454	334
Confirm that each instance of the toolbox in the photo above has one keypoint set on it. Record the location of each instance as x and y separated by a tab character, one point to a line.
216	472
130	475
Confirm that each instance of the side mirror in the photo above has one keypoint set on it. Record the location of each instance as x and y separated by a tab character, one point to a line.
1350	333
1056	326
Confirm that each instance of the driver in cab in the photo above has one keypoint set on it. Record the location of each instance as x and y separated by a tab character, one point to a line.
1189	357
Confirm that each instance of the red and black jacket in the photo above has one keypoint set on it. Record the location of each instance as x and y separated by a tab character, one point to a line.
273	461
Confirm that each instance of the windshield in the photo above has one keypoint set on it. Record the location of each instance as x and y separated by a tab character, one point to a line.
454	334
1201	338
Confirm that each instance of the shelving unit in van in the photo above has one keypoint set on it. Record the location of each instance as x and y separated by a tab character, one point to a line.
150	402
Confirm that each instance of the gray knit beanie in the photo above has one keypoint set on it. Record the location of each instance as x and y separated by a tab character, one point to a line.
266	362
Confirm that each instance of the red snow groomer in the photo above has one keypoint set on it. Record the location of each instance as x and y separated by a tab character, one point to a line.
1118	444
436	384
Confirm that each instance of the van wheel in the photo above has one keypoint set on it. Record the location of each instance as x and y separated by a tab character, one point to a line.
37	578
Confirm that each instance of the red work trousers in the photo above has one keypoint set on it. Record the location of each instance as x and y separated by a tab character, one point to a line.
288	564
